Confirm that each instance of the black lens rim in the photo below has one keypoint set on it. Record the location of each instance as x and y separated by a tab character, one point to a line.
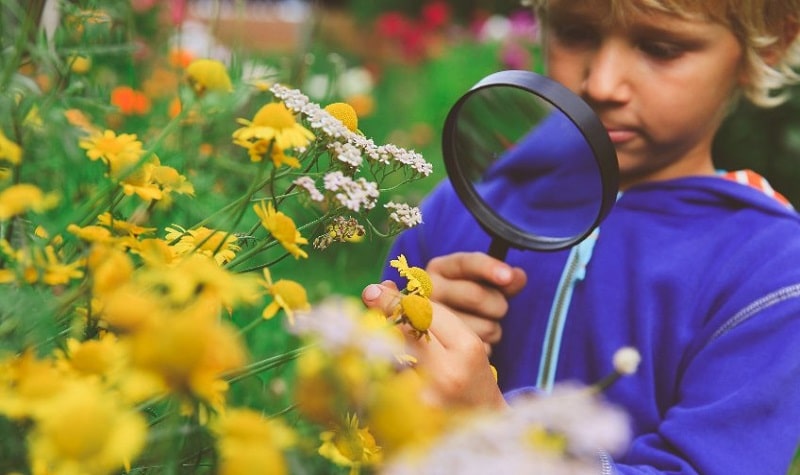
579	113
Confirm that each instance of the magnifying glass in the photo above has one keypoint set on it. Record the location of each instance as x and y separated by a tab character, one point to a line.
531	161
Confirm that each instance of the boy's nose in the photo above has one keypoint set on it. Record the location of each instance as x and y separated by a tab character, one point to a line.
606	77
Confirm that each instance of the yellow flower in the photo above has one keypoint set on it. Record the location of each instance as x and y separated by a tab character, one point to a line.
208	75
399	416
119	225
169	180
286	294
56	272
135	177
543	440
219	245
85	430
259	148
109	269
91	233
345	113
198	281
417	311
350	446
9	150
79	64
26	383
276	122
189	352
155	251
129	310
109	146
18	199
249	443
99	358
282	228
418	279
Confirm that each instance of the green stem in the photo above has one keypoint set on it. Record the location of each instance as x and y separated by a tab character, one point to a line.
263	365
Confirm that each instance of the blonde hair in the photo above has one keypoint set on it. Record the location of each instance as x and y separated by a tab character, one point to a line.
769	31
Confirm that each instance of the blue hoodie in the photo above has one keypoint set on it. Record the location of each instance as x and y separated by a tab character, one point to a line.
702	276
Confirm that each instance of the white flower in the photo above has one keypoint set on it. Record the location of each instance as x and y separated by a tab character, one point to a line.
307	183
340	324
626	360
352	194
355	81
347	153
403	214
320	119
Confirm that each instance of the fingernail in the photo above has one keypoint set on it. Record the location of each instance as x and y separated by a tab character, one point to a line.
371	292
502	274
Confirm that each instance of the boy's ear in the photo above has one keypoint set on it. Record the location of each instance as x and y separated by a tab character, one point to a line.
791	33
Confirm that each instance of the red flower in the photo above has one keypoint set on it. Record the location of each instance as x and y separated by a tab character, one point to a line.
393	25
435	14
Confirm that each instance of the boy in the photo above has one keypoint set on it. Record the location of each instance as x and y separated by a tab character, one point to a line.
699	272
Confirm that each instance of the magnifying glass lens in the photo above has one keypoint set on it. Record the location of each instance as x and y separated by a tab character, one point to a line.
528	162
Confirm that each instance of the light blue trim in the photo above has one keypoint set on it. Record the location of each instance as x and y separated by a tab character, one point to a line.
574	271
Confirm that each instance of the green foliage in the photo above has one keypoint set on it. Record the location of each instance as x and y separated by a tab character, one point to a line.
766	141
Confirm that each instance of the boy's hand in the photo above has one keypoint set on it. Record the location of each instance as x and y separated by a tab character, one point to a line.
452	361
476	287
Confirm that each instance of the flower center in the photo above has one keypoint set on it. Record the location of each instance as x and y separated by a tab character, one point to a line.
345	113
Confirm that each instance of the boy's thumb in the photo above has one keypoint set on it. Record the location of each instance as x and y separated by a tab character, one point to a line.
384	297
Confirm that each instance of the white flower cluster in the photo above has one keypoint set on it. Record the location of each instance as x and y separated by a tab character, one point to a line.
403	214
350	193
557	434
321	120
307	183
346	153
339	324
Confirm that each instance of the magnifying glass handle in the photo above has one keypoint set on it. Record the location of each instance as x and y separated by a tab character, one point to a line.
498	249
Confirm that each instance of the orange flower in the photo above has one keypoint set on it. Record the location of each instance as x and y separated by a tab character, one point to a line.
180	58
130	101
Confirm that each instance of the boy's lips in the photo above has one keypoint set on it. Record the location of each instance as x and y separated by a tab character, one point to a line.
620	135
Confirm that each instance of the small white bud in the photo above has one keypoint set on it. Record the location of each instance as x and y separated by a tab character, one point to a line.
626	360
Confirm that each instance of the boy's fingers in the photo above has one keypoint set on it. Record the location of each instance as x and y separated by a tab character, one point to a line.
475	266
383	296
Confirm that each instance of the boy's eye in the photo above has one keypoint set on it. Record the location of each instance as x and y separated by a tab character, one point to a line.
661	50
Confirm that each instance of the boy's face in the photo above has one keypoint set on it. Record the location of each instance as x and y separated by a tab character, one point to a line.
660	84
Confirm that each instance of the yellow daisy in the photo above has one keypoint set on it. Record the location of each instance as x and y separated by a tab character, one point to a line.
18	199
259	148
286	294
350	446
419	281
9	150
108	145
275	122
122	226
249	443
282	229
208	75
417	311
206	241
84	429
